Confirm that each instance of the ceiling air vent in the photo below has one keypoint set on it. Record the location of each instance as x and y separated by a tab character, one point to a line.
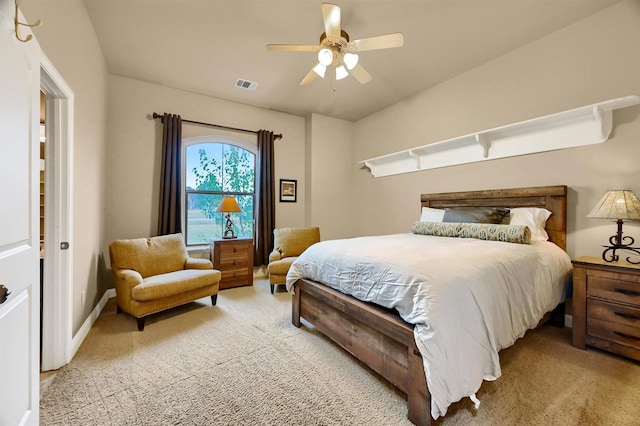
246	84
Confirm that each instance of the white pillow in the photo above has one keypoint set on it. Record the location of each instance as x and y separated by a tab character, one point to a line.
431	215
533	217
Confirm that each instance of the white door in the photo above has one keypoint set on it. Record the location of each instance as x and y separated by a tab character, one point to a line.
19	223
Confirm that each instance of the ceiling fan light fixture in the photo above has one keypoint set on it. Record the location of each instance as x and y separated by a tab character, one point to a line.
320	70
325	57
337	50
350	60
341	72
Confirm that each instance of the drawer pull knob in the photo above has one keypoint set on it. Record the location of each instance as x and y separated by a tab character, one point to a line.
234	249
628	336
629	316
627	292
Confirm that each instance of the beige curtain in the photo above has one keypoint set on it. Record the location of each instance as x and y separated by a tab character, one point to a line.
169	218
265	199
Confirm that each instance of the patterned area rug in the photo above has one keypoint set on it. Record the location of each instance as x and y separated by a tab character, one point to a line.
243	363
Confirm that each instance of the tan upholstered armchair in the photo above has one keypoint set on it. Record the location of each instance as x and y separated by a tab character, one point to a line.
154	274
288	244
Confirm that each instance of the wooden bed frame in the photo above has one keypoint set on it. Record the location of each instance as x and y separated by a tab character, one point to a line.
380	338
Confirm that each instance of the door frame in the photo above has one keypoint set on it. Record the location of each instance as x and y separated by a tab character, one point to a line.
57	312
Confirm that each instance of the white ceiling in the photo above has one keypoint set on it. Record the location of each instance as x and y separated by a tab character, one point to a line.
203	46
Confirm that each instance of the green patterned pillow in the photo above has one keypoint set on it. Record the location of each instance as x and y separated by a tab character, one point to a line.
519	234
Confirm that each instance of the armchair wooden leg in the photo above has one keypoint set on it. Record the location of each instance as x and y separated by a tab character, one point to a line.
140	323
214	299
271	288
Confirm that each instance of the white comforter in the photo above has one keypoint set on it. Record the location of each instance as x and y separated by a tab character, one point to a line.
468	298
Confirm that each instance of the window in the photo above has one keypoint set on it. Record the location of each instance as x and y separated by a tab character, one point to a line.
216	166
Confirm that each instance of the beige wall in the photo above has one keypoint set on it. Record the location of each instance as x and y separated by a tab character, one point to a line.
330	190
135	142
68	40
593	60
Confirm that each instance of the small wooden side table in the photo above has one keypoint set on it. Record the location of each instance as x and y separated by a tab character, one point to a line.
606	306
233	257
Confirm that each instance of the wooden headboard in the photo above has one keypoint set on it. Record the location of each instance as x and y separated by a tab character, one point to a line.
552	198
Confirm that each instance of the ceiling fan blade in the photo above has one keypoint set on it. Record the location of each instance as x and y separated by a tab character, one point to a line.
379	42
360	74
331	17
308	79
293	47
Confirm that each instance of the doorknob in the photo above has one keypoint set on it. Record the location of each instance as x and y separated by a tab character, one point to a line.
4	293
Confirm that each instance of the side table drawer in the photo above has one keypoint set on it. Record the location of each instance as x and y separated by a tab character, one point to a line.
234	251
613	312
233	262
616	290
234	274
615	333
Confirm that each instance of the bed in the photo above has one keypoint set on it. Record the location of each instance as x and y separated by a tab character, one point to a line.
387	343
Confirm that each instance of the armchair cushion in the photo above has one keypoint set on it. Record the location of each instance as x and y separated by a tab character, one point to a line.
293	241
150	256
171	284
281	267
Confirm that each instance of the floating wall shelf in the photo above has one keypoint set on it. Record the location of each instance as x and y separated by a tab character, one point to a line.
586	125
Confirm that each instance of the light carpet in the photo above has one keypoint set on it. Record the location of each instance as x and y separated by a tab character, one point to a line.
241	362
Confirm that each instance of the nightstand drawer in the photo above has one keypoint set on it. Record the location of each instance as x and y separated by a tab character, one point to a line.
234	251
233	262
614	313
234	274
615	290
612	332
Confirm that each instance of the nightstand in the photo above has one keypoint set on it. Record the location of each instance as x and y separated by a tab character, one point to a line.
233	257
606	306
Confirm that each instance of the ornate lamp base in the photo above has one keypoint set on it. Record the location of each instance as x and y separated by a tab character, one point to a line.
228	229
616	244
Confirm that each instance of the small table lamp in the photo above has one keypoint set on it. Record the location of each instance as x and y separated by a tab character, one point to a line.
619	204
228	205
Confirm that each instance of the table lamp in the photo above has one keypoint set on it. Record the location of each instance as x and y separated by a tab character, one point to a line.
619	205
228	205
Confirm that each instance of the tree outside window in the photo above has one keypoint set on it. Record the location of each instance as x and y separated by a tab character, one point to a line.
214	170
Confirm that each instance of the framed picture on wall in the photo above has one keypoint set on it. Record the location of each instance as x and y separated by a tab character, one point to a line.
288	190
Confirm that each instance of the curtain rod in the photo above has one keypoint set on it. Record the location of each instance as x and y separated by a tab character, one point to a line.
275	136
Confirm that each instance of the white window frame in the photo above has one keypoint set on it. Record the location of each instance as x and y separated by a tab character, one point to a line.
196	140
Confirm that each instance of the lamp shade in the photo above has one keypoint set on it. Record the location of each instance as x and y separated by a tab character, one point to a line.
228	205
618	204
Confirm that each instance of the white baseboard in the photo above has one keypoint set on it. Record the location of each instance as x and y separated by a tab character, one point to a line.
79	337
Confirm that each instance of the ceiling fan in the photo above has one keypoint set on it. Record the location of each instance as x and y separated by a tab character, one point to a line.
335	49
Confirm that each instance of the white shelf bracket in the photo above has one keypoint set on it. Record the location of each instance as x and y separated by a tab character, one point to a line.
604	119
371	167
485	143
416	157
